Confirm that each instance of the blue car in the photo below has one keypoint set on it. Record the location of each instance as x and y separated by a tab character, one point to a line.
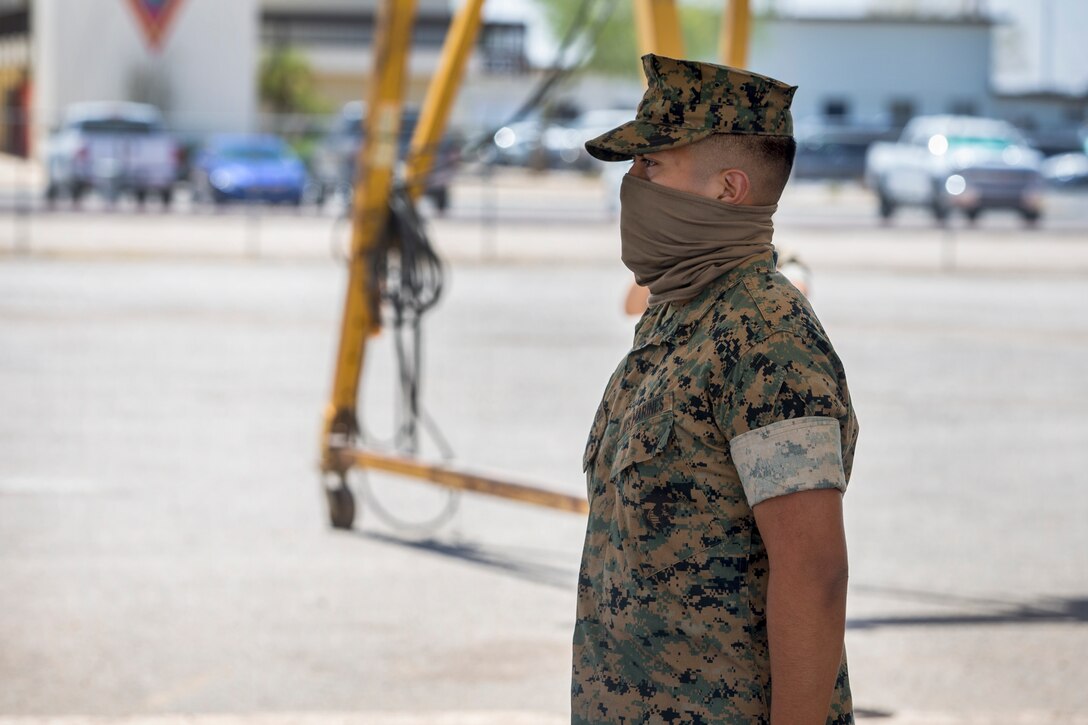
249	168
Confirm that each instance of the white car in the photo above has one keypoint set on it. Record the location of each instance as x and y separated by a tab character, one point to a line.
946	163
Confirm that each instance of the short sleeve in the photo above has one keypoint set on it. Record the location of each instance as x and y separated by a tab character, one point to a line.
787	418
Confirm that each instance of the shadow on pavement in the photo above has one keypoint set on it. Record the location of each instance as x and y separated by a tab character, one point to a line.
1071	610
537	572
1067	610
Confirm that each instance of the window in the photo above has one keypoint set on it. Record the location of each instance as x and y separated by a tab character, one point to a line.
503	48
836	109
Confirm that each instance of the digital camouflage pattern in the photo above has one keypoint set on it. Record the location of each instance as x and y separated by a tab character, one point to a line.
671	623
686	101
799	454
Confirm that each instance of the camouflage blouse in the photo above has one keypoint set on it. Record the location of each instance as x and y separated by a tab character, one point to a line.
671	624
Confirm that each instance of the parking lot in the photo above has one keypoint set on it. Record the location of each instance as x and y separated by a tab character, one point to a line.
163	546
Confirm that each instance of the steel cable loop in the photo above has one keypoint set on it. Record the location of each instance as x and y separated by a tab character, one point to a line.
417	528
410	278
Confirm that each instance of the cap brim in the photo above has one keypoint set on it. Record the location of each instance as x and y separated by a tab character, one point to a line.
639	137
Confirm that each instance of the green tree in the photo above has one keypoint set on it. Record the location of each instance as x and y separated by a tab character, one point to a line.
615	48
287	83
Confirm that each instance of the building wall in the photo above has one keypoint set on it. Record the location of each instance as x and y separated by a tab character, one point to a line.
938	67
203	77
324	6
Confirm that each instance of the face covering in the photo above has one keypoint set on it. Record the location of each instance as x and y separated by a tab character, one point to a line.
676	242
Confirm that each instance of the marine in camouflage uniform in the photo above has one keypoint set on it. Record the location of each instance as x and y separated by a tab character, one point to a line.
724	401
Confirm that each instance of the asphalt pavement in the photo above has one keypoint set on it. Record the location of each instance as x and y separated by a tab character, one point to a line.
164	556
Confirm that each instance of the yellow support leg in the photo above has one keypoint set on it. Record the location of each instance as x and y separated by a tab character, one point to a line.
657	24
462	479
733	41
441	94
376	162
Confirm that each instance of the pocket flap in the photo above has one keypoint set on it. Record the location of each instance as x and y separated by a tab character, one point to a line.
596	433
646	439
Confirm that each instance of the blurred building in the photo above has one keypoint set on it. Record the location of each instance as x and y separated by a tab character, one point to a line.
888	69
336	38
873	70
198	68
202	69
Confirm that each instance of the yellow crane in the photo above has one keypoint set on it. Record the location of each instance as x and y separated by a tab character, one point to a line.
658	28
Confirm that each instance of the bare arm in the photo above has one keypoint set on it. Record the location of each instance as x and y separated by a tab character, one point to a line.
637	299
806	601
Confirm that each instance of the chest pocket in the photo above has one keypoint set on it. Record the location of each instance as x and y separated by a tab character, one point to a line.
665	514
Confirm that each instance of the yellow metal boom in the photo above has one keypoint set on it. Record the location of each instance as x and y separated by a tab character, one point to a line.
658	28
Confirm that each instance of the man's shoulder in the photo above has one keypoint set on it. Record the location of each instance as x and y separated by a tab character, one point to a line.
761	306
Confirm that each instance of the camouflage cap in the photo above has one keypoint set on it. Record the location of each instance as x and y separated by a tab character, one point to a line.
686	101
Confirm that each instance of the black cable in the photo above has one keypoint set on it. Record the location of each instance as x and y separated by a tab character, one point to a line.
410	278
413	283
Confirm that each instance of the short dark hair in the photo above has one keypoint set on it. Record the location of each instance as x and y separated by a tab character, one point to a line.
779	152
767	159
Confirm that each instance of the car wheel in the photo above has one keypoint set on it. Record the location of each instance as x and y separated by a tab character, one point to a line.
886	207
167	197
141	196
940	210
441	199
973	214
1030	216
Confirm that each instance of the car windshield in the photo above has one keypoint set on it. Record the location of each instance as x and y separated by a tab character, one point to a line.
117	125
984	142
242	152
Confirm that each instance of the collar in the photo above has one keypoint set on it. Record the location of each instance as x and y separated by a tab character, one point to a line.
675	321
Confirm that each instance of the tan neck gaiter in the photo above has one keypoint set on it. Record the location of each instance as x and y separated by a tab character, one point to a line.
676	242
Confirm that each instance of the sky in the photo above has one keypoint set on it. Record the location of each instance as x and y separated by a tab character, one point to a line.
1038	44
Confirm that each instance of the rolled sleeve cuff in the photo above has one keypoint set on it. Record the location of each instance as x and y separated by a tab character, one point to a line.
799	454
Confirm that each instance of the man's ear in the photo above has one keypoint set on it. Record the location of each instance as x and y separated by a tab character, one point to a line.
736	187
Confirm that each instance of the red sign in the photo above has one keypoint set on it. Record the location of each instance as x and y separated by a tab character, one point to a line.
154	16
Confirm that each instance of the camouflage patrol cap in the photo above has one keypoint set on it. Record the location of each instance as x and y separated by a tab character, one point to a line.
686	101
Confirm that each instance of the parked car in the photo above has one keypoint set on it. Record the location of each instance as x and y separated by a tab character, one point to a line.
518	144
565	145
835	151
956	162
1066	170
114	149
334	160
248	168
